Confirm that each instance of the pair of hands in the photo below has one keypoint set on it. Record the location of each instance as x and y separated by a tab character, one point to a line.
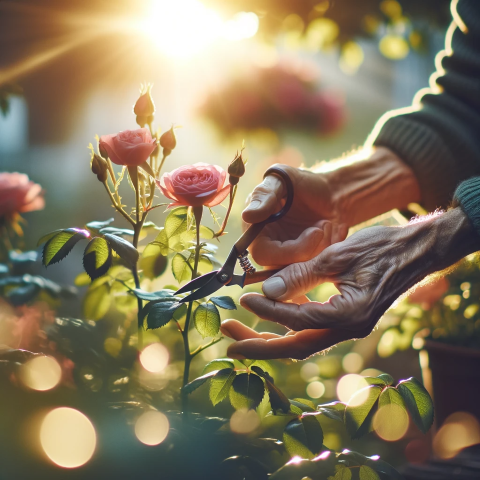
371	269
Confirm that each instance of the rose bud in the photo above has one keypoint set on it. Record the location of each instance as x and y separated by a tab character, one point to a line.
168	142
99	167
144	107
236	169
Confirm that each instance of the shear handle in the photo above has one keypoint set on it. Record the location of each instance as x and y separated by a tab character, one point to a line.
253	230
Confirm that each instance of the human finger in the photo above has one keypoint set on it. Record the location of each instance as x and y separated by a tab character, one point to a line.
265	200
238	331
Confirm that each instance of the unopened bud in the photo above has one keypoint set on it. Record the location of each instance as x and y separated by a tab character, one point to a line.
99	167
236	169
168	141
144	108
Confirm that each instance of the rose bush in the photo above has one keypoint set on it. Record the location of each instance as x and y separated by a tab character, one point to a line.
195	185
18	194
130	147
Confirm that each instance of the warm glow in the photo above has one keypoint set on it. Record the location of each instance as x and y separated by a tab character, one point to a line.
315	389
67	437
309	370
151	428
350	384
391	422
41	373
244	421
154	358
352	362
459	431
182	28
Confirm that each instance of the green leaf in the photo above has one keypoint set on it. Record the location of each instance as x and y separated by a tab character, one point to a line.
206	233
176	222
48	236
224	302
357	418
153	266
418	402
334	410
220	385
161	241
218	364
125	250
278	400
181	268
375	381
158	295
343	473
96	302
388	379
265	365
302	407
99	225
61	244
161	313
194	384
383	467
303	437
117	231
366	473
97	257
207	320
390	395
247	391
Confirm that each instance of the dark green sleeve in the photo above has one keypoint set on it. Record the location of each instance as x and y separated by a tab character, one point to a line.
439	136
467	196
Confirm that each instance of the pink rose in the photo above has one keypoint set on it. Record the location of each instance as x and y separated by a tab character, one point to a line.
19	194
195	185
130	148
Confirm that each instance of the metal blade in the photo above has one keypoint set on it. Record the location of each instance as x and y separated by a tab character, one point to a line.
197	282
210	287
237	280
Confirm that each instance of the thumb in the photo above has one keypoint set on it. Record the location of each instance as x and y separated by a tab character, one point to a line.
293	281
266	199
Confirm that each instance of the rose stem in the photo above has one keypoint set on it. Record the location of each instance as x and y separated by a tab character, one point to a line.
197	212
233	191
164	156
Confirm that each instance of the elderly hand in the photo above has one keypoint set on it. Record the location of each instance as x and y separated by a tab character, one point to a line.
371	269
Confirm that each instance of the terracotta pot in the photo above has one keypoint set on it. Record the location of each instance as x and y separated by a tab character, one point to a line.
451	374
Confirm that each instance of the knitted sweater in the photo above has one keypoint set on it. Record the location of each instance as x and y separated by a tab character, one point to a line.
439	135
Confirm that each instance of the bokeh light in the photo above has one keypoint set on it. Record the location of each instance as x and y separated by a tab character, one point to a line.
242	25
394	47
244	421
350	384
391	422
315	389
41	373
309	370
151	428
352	362
460	430
67	437
154	358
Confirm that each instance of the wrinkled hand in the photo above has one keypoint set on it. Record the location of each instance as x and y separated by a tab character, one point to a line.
299	235
371	269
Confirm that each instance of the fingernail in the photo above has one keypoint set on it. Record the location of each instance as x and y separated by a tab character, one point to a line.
274	287
253	205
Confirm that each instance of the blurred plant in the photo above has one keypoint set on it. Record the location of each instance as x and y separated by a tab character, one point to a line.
278	97
7	90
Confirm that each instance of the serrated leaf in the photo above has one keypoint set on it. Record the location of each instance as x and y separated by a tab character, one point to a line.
95	225
48	236
391	395
97	257
61	244
388	379
161	241
220	385
207	320
357	418
204	264
375	381
218	364
306	402
278	400
125	250
301	407
194	384
334	410
150	296
160	314
418	402
96	302
343	473
206	233
265	365
303	437
366	473
181	269
247	391
224	302
176	222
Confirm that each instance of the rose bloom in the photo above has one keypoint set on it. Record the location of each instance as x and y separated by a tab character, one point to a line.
195	185
18	194
130	147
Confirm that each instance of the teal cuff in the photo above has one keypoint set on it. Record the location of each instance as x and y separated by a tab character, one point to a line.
467	195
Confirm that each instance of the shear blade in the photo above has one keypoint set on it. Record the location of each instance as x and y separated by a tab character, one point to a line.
210	287
196	283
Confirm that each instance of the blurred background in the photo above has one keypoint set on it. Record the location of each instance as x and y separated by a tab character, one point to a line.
298	81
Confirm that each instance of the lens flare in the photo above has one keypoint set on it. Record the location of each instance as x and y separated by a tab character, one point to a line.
350	384
309	370
391	422
154	358
151	428
352	362
67	437
244	421
41	373
315	389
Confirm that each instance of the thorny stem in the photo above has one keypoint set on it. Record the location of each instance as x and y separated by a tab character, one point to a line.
197	211
164	156
118	206
233	192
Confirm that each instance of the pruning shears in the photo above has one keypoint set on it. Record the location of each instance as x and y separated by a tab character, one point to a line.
211	282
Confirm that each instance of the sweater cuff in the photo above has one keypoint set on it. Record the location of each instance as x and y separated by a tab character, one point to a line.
426	153
467	195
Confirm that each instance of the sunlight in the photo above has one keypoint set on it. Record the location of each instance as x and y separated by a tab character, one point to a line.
151	428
